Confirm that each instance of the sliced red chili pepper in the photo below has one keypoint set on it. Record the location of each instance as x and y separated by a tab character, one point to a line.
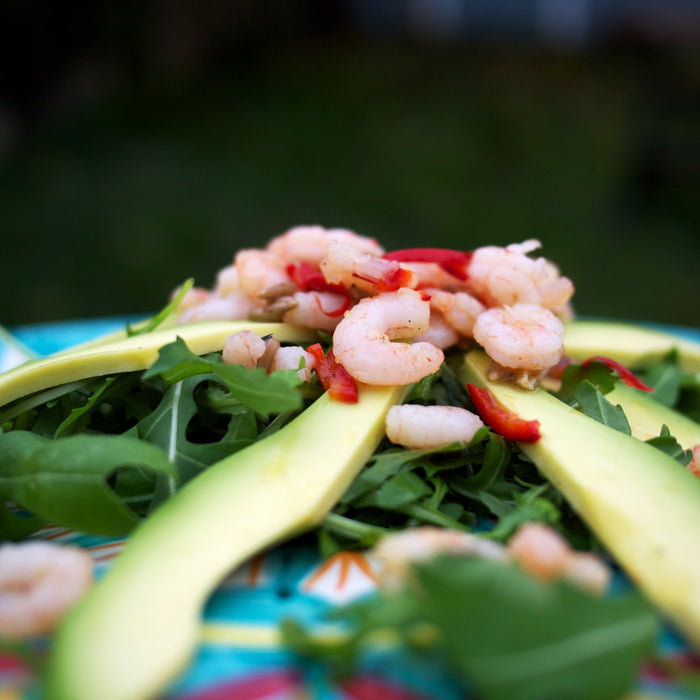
389	282
625	375
333	376
307	278
454	262
504	422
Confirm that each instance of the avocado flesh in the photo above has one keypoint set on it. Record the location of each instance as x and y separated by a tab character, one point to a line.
626	343
642	504
137	629
131	354
647	416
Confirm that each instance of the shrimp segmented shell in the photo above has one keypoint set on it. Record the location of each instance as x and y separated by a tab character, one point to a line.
363	341
421	427
39	582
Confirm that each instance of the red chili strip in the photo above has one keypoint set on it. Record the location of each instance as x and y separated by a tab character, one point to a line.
625	375
454	262
390	281
333	376
504	422
307	278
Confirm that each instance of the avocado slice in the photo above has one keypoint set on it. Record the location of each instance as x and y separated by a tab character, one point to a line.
131	354
627	343
640	503
137	629
647	416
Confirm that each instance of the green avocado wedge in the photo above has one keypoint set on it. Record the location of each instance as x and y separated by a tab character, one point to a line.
137	628
641	504
135	353
627	343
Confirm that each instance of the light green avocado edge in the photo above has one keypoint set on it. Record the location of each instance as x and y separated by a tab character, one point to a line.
137	628
641	504
131	354
627	343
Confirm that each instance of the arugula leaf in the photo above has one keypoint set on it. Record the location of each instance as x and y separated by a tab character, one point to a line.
596	406
67	481
512	636
265	394
168	427
668	444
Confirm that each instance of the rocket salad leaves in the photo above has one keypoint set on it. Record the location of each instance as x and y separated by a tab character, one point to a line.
93	454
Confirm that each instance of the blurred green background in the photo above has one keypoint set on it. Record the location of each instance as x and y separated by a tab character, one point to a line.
143	143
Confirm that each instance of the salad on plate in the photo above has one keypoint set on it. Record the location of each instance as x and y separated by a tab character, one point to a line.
518	488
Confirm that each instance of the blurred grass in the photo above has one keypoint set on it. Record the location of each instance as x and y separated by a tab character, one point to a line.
106	213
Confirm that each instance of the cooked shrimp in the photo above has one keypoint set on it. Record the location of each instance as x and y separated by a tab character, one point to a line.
243	348
316	310
227	281
440	333
397	551
420	427
540	550
258	270
294	357
522	336
39	582
309	244
460	309
362	342
545	554
350	267
212	308
501	276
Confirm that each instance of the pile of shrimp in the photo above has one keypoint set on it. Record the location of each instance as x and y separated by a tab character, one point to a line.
392	316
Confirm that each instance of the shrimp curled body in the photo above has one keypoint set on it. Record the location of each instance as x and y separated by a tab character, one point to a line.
421	427
362	342
39	582
522	336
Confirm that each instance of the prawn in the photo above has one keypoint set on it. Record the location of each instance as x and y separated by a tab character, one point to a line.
258	270
362	341
521	337
460	309
545	554
420	427
294	357
440	333
39	582
320	310
212	307
506	276
350	267
309	244
243	348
